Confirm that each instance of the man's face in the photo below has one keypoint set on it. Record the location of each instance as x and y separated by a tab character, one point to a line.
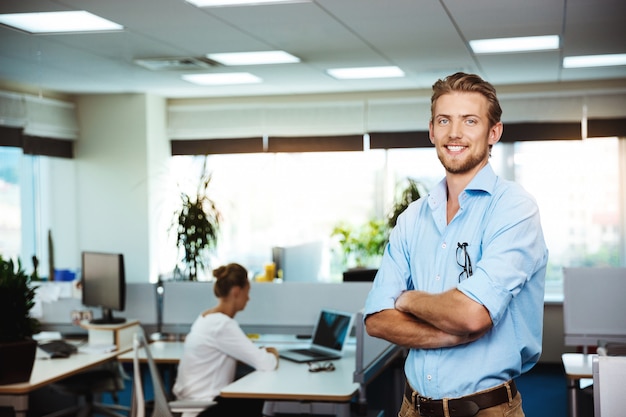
460	132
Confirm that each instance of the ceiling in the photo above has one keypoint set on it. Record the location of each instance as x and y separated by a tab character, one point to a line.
427	39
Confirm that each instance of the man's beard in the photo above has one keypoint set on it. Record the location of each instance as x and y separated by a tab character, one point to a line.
454	166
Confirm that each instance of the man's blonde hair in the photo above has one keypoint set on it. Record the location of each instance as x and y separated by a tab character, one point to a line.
462	82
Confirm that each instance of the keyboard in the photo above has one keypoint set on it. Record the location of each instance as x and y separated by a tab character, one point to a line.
60	347
310	352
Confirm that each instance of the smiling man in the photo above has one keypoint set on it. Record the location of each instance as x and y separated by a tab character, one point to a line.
461	283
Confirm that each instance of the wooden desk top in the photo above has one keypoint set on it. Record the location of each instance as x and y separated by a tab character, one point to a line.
578	365
47	371
85	324
163	352
293	381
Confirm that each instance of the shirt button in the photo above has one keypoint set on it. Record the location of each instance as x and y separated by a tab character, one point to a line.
429	377
437	278
444	245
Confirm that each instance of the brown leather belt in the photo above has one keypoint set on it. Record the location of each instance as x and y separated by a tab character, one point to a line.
466	406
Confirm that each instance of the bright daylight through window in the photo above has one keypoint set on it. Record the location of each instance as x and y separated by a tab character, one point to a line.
284	199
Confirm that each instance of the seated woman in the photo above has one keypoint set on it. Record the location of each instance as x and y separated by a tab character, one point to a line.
216	343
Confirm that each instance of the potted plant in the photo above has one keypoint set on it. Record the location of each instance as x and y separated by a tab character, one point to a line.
197	223
363	244
17	348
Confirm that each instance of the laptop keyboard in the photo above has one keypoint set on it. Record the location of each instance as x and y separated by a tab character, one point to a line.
309	352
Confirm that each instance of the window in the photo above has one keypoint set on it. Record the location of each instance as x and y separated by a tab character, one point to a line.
281	199
286	199
576	184
11	219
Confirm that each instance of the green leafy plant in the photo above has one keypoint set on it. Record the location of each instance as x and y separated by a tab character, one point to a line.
361	245
410	192
197	224
17	298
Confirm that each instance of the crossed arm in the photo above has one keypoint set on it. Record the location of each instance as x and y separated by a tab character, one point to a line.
424	320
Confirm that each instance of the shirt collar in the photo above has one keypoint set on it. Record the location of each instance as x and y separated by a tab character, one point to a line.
485	180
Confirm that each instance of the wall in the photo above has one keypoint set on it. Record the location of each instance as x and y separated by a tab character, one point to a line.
120	142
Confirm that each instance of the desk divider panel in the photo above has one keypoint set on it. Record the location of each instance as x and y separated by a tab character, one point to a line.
609	379
372	354
273	307
141	303
594	305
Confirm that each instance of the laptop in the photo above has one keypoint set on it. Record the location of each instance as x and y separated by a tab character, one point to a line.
329	338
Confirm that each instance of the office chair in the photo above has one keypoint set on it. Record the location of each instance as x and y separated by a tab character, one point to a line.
108	378
162	406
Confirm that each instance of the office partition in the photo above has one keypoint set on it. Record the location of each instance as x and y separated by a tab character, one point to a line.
594	305
372	354
609	380
273	307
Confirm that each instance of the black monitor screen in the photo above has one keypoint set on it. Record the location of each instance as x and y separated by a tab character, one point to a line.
104	284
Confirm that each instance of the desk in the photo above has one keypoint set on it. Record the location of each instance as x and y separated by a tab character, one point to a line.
292	388
577	366
163	352
291	385
47	371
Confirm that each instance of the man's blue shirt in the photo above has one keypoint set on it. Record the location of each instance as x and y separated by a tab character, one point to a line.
500	223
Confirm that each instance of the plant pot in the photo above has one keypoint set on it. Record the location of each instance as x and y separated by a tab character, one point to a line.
359	275
16	361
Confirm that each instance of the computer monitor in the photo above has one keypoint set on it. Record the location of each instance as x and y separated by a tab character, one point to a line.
104	284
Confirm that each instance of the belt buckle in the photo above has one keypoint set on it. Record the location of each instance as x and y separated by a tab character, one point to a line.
421	400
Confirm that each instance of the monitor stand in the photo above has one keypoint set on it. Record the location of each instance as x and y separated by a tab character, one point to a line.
107	318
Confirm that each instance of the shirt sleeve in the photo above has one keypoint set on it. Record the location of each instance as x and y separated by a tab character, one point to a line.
394	274
235	343
513	249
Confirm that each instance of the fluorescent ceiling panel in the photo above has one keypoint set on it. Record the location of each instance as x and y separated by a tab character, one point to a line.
220	3
59	22
584	61
365	72
508	45
222	79
254	58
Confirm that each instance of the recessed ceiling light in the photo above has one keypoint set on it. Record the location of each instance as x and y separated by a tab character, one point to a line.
365	72
222	79
254	58
594	61
58	22
508	45
220	3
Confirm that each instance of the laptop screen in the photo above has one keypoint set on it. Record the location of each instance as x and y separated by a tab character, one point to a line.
332	329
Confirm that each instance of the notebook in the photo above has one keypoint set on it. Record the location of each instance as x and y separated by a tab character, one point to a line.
329	338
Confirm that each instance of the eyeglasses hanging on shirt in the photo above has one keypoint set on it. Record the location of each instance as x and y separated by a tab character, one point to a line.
464	261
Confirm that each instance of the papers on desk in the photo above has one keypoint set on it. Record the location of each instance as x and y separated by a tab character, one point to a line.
42	336
97	348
